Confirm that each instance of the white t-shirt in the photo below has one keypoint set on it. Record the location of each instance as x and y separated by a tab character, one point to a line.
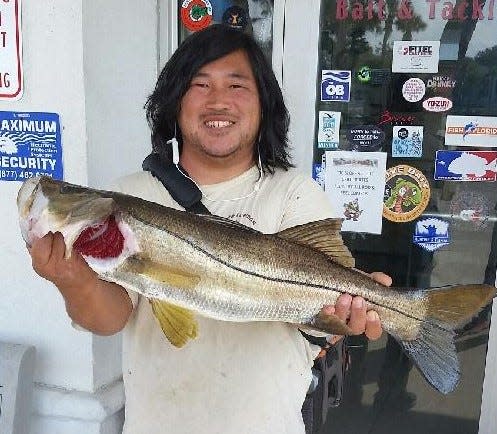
248	378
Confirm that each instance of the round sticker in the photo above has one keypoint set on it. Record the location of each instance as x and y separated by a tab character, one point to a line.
364	74
235	17
414	90
407	193
196	14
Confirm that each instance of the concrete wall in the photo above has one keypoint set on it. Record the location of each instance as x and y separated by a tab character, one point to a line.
93	62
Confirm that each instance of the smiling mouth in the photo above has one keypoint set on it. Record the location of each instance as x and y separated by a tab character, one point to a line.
218	124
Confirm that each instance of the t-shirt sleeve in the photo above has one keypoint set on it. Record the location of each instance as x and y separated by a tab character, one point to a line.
306	202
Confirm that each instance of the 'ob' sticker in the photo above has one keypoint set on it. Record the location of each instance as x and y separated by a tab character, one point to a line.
407	193
196	14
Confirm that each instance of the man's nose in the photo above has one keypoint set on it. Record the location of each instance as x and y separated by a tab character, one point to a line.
219	98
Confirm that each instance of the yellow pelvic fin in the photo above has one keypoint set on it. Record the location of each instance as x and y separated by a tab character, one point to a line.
178	324
322	235
330	324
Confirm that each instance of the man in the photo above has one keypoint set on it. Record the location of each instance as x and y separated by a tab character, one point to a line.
219	97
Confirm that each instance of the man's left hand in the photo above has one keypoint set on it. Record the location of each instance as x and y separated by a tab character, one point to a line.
352	310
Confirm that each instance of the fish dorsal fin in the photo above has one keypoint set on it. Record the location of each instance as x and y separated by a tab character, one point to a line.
324	236
178	324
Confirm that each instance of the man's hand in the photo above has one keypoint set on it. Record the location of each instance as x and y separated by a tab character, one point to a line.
352	310
97	305
47	256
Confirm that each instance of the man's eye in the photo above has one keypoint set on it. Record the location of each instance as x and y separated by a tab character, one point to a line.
236	86
201	85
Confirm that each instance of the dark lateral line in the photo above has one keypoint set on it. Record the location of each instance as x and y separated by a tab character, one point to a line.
274	279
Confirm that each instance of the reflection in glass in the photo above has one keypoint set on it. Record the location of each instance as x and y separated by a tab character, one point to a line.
259	23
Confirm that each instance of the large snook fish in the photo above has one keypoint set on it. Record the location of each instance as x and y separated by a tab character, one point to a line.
185	263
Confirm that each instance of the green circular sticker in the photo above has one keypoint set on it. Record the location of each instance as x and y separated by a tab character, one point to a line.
407	193
364	74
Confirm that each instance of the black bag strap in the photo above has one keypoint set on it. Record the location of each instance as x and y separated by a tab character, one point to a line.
181	188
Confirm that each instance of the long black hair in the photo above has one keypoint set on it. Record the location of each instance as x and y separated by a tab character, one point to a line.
216	41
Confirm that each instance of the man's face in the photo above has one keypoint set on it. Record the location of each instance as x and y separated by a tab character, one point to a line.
220	113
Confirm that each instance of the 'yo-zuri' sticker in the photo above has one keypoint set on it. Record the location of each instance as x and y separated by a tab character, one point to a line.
196	14
407	193
431	233
414	90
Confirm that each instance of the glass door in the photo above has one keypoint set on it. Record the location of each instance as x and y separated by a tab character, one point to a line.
414	83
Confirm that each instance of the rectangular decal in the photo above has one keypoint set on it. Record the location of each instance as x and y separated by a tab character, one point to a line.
475	131
329	129
407	141
415	56
30	145
335	85
466	165
355	183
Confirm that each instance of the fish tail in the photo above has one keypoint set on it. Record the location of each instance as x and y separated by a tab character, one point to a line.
433	350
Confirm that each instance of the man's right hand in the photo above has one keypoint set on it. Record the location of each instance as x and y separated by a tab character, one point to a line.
97	305
48	259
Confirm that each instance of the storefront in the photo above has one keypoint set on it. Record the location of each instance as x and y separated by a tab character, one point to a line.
393	110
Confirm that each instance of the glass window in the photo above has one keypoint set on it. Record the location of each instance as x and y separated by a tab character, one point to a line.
385	394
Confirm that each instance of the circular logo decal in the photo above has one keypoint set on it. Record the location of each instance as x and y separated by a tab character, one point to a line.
414	90
196	14
407	193
364	74
235	17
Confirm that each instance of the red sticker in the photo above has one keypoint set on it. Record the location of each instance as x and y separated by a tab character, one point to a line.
196	14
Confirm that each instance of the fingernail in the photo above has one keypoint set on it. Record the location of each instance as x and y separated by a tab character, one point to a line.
358	303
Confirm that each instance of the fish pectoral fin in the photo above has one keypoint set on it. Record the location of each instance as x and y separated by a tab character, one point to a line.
324	236
178	324
163	273
330	324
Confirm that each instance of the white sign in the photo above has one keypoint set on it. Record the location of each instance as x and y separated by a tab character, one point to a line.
415	56
355	183
11	86
475	131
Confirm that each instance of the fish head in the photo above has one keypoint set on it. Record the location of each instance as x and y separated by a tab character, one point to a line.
46	205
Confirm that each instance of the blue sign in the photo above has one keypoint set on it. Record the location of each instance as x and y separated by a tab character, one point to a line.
335	85
30	145
431	234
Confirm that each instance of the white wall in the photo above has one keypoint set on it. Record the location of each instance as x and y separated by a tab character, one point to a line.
93	62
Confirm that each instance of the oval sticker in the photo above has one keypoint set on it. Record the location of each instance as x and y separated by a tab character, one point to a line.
407	193
437	104
196	14
414	90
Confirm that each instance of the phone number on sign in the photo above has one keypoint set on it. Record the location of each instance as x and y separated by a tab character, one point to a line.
12	175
